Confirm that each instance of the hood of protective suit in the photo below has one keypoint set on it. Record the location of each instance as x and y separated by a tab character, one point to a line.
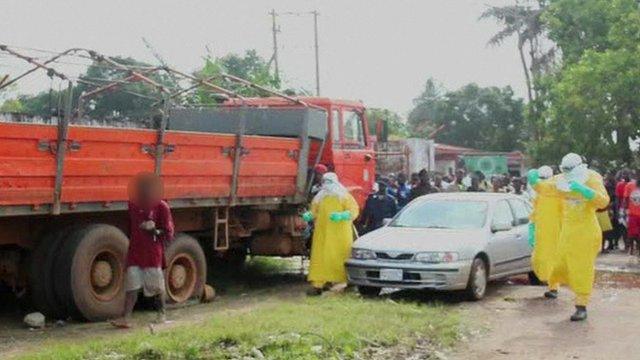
573	169
331	186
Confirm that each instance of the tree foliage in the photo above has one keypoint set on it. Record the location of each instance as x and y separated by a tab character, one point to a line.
394	124
249	66
591	103
488	118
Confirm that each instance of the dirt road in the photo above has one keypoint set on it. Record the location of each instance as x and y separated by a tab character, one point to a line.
520	324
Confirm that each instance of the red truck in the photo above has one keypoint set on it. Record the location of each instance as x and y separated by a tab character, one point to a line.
236	177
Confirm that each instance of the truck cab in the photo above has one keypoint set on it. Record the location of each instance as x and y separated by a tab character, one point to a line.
348	150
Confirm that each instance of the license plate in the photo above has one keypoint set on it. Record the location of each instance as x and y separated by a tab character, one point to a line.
391	274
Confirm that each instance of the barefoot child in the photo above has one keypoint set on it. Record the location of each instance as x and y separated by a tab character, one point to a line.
151	226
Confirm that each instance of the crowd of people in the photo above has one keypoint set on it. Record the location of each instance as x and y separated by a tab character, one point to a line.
392	192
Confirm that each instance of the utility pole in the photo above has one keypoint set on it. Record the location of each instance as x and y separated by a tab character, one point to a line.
315	35
274	29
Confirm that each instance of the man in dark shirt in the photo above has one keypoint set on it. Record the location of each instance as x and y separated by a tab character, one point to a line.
150	226
379	206
424	186
475	185
402	191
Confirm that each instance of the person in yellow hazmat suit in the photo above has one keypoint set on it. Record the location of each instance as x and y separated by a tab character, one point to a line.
544	228
333	210
583	192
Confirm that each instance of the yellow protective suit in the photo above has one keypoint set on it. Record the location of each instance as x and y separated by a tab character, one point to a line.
546	215
331	243
580	239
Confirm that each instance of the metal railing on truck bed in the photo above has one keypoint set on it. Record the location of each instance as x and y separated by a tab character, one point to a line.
243	160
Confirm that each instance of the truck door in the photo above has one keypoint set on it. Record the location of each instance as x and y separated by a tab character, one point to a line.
352	156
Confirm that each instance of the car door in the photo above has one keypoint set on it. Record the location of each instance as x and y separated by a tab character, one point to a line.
501	245
521	214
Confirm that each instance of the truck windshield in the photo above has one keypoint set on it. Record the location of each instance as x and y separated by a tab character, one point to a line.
442	214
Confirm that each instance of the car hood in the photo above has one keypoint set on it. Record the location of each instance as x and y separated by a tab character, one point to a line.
416	239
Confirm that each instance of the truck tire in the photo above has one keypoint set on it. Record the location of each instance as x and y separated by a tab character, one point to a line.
90	272
186	270
41	276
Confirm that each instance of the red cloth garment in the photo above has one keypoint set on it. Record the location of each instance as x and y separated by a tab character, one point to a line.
620	190
633	227
145	249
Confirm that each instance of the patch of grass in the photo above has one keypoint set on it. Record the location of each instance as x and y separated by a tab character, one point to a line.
312	328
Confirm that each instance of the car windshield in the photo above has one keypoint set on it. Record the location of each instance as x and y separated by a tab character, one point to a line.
442	214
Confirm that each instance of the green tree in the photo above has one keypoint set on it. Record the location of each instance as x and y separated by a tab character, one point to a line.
484	118
394	124
12	106
250	67
593	107
590	103
525	22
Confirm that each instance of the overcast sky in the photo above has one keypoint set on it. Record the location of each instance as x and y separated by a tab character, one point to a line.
380	52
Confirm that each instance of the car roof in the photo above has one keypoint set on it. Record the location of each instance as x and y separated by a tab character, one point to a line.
477	196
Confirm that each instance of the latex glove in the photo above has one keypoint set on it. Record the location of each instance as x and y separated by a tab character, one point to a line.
307	216
583	190
532	234
533	177
340	216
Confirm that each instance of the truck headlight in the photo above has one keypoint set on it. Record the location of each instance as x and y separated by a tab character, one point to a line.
436	257
363	254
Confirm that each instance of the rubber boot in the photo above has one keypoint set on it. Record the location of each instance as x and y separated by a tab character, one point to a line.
580	314
551	294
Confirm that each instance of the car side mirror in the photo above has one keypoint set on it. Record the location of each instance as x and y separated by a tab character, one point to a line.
504	226
386	221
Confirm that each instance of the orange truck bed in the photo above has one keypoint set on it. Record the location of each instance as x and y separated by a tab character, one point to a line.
99	162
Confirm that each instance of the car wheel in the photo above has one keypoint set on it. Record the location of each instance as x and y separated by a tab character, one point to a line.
478	280
533	279
369	291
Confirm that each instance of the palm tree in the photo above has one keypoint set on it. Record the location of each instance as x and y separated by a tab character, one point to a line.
525	22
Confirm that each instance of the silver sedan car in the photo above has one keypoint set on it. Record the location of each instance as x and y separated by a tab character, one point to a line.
445	241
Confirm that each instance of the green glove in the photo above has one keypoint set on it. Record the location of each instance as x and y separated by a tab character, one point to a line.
532	234
307	216
340	216
533	177
583	190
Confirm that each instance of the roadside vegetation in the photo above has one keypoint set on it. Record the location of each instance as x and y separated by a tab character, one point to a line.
331	327
334	326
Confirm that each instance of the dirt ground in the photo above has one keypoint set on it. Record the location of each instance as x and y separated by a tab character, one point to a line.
518	323
15	339
513	322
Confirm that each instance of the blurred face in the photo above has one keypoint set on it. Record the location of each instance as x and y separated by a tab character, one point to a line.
402	178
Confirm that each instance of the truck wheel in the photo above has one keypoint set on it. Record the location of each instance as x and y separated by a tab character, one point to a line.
478	280
90	272
186	271
41	275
